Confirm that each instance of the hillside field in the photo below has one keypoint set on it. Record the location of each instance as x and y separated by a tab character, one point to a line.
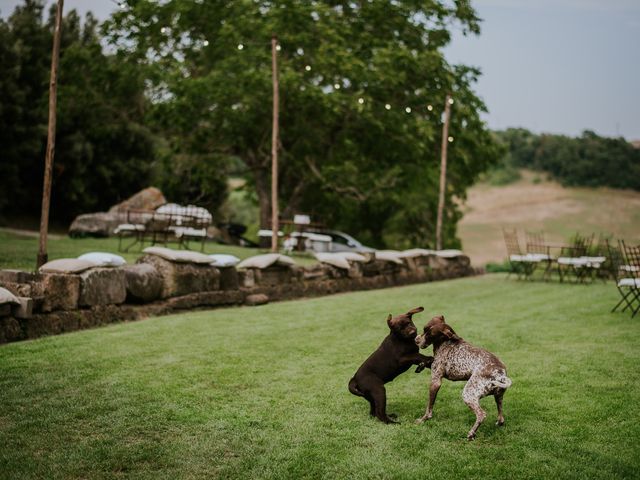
536	204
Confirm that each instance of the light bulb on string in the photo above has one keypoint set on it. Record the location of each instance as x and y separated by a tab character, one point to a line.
450	139
336	86
430	107
206	43
240	46
308	68
278	47
361	100
163	30
387	106
408	109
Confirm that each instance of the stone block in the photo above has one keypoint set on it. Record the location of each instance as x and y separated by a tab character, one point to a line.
256	299
229	279
16	276
102	286
183	278
208	299
142	282
18	289
273	275
10	330
59	291
247	278
24	309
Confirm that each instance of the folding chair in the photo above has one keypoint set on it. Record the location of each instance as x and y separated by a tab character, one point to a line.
521	265
573	259
629	284
537	248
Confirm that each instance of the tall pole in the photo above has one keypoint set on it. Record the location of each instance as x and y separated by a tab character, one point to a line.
274	147
51	140
443	169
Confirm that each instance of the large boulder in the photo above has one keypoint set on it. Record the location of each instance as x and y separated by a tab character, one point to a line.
98	224
183	278
143	283
102	286
148	199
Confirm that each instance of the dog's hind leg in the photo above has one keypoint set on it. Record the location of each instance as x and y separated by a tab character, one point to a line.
379	395
473	391
498	396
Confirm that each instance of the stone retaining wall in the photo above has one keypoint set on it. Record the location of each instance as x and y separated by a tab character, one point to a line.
62	303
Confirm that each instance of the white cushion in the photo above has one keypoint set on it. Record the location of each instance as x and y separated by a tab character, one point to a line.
576	261
7	297
629	282
351	256
189	232
266	260
180	256
416	252
223	260
104	259
540	257
67	265
389	256
337	261
524	258
449	253
630	268
129	227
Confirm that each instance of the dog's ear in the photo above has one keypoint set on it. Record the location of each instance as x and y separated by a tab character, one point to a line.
450	334
438	319
414	311
389	322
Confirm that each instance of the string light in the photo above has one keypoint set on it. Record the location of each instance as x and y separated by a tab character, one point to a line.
387	106
308	68
278	47
206	43
336	86
240	46
163	30
451	101
361	100
408	109
430	107
450	139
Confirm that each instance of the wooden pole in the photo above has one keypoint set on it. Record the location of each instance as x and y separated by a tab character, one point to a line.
443	169
51	140
274	147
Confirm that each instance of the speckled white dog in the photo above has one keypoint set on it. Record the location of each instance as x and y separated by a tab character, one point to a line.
455	359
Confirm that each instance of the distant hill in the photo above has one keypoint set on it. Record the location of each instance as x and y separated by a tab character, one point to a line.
535	204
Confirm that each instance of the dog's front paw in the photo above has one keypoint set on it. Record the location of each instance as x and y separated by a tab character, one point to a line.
423	419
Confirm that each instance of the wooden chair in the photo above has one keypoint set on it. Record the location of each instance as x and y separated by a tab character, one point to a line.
522	265
629	283
540	250
573	260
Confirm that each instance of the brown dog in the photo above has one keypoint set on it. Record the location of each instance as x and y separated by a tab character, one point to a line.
394	356
455	359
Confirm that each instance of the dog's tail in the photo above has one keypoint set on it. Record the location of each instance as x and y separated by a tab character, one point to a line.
353	388
501	380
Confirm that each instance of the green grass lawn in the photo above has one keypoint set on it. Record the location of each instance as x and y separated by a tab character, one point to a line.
19	251
262	392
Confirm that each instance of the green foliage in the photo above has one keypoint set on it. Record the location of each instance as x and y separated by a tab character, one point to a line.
588	160
103	151
261	392
356	166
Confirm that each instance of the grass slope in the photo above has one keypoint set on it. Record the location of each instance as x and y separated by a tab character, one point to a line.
535	205
19	250
262	392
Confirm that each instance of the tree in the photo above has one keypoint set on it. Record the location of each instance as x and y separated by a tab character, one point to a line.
344	155
103	151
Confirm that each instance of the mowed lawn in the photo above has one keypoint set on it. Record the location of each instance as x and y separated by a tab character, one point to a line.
18	250
262	392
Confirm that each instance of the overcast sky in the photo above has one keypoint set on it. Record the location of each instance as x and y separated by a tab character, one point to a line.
559	66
